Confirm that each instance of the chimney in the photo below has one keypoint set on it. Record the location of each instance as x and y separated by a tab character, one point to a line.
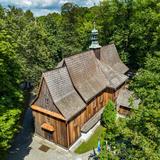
94	44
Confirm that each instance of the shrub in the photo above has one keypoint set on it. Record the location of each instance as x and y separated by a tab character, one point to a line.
109	115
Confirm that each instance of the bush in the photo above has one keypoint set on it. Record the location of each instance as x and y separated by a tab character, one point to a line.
109	115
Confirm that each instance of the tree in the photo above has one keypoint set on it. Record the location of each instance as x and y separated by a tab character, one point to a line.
109	115
108	120
11	96
29	46
137	137
35	52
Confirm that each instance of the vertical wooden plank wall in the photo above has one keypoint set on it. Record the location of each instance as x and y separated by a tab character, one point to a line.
59	136
74	126
67	134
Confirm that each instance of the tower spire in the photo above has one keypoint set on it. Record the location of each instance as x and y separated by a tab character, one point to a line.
94	38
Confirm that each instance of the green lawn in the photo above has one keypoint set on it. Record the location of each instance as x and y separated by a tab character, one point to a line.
92	141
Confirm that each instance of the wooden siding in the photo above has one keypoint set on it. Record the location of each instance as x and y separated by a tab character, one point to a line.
74	126
66	134
123	110
109	93
44	111
44	99
59	136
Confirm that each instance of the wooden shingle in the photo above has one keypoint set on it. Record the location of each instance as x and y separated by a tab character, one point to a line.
80	78
114	78
109	56
63	93
87	77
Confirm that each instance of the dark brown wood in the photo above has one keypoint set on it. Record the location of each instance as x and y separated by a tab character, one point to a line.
44	111
66	133
68	139
75	125
59	136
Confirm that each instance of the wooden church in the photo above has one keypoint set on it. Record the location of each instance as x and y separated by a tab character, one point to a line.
71	97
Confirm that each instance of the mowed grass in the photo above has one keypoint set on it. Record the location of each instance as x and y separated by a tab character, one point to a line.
92	141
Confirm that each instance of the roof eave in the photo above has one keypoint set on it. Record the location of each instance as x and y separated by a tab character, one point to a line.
71	117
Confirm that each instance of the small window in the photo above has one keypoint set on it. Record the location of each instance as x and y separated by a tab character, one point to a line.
46	100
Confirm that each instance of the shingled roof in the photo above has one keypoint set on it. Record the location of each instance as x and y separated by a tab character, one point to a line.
63	93
79	78
87	77
114	78
60	64
124	98
109	56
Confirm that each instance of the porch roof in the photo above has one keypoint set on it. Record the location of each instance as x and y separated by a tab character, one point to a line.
124	99
47	127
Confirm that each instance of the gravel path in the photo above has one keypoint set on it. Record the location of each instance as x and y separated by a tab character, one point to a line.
21	145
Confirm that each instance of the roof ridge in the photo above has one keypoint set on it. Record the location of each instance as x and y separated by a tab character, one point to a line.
81	53
107	45
53	70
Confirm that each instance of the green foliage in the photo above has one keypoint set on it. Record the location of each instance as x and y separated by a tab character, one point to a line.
137	137
11	97
29	46
109	115
8	127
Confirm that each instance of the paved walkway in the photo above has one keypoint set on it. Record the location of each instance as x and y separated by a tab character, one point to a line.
26	146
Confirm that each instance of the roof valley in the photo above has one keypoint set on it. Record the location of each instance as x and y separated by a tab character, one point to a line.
72	81
80	78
